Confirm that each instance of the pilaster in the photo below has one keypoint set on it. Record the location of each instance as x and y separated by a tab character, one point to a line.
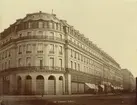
33	85
68	83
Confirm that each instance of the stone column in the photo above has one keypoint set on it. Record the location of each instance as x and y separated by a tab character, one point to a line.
33	84
68	83
12	88
13	54
22	84
56	56
46	55
33	54
45	85
64	85
57	85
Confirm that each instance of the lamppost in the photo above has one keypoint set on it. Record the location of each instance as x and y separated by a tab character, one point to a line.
136	90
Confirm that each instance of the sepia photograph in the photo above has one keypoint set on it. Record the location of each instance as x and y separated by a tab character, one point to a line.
68	52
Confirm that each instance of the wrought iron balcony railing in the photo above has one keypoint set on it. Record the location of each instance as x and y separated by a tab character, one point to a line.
51	38
34	69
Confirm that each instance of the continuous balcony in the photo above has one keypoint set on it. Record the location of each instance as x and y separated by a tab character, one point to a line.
33	69
38	37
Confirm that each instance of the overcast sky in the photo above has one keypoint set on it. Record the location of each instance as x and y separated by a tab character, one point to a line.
110	24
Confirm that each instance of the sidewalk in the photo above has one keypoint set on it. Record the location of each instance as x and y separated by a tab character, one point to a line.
49	96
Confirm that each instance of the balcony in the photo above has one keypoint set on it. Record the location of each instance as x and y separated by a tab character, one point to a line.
50	38
51	52
41	37
33	69
19	52
28	52
40	52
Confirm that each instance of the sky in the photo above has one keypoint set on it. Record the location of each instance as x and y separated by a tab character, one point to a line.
110	24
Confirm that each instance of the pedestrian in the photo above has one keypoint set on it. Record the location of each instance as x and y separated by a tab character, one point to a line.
1	102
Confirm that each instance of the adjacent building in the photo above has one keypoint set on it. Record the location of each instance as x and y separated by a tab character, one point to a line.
41	54
128	80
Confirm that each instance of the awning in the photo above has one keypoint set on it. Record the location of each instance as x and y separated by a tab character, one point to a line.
92	86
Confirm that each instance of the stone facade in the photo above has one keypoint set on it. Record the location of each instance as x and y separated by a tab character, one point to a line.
42	51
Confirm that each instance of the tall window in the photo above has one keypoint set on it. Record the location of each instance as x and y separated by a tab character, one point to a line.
71	53
45	24
28	50
40	32
29	25
2	66
19	62
71	65
5	65
78	56
6	54
51	48
51	62
28	61
9	53
60	63
3	55
20	35
40	25
53	25
81	58
78	67
41	62
20	49
60	36
60	49
9	64
40	49
75	66
51	34
75	54
56	26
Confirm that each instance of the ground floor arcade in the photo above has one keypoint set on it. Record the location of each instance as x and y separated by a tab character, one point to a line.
47	84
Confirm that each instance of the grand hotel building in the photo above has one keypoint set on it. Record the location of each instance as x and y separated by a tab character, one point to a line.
41	54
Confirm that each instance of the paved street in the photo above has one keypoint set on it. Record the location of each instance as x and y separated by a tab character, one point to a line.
128	99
